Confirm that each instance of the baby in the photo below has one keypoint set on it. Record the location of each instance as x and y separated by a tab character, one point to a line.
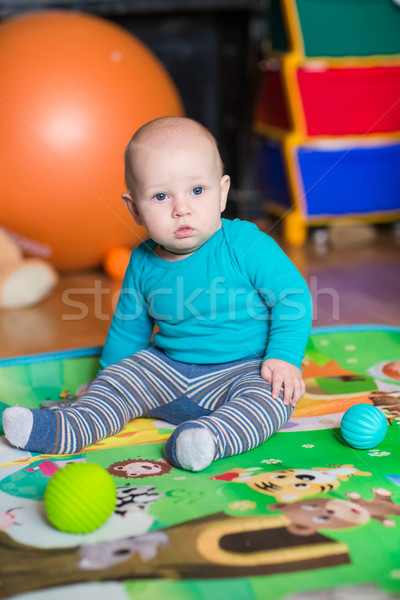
230	312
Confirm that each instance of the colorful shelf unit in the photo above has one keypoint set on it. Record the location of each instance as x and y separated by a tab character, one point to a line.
328	113
335	28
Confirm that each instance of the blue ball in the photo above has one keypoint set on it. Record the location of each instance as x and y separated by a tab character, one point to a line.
363	426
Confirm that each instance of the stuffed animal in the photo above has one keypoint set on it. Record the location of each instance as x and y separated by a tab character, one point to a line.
23	281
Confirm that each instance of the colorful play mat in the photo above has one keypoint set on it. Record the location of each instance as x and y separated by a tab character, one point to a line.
302	517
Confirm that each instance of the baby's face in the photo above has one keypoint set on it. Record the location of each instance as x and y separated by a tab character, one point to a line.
179	192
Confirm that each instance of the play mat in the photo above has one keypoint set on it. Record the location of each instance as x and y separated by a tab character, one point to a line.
302	517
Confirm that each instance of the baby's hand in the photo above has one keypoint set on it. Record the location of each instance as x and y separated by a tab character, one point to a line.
283	374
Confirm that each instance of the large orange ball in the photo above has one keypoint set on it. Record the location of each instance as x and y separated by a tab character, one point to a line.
74	88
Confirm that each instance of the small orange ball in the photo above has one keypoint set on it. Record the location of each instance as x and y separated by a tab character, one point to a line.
116	262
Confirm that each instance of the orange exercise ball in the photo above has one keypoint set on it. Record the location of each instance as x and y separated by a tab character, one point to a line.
73	90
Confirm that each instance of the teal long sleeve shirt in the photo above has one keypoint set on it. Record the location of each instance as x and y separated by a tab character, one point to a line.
238	296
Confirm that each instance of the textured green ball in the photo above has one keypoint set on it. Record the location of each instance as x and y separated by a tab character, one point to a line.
80	497
363	426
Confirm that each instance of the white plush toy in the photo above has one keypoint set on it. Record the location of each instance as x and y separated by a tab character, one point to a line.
23	281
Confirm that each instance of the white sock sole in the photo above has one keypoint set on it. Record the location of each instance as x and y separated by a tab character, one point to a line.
17	425
194	449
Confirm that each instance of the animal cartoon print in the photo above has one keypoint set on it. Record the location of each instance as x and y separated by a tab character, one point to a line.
306	517
380	507
137	468
289	485
7	518
132	498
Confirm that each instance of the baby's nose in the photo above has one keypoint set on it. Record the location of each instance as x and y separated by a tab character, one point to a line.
181	207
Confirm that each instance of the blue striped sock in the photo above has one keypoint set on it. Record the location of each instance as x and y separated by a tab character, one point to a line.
121	392
99	414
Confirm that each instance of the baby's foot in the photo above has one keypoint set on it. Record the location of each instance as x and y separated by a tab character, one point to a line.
17	425
191	448
34	430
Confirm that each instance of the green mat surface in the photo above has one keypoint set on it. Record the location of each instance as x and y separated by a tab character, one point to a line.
304	516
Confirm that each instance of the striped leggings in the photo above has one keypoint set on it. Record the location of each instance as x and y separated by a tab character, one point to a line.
230	400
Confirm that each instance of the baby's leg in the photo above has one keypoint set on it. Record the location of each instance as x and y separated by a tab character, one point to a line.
121	392
249	417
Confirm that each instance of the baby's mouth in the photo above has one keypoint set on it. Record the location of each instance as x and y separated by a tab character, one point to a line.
184	231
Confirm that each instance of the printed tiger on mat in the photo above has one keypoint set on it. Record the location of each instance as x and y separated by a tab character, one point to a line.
289	485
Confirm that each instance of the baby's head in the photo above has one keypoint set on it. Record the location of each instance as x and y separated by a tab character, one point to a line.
177	188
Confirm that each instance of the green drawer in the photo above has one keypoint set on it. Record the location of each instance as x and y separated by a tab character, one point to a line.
337	28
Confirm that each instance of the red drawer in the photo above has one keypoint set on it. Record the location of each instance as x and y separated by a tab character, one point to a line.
340	101
318	99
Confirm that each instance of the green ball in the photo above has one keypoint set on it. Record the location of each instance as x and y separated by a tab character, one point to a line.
80	497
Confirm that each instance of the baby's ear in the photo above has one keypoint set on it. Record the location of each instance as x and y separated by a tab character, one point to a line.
225	184
131	206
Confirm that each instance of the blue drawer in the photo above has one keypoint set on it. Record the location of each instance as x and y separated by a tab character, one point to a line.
350	180
331	178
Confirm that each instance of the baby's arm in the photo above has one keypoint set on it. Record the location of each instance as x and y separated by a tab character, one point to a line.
288	310
282	374
131	326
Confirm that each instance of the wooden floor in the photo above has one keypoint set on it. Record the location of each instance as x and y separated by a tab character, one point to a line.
349	286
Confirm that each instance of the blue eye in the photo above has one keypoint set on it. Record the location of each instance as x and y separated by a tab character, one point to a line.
197	191
160	197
